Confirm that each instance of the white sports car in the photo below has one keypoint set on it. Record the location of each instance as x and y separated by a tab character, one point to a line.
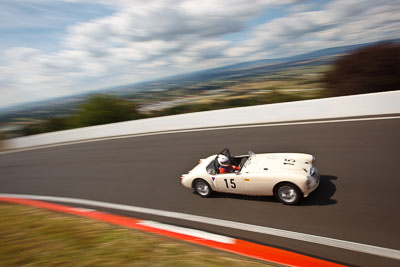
287	176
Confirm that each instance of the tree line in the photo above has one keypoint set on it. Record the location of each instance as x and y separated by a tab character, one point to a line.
366	70
97	110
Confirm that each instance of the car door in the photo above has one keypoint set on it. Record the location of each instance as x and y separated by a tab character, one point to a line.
229	183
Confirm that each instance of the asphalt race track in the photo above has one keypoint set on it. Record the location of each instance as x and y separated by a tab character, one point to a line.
358	198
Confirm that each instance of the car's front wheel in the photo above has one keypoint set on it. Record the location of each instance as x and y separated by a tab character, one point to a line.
202	188
288	193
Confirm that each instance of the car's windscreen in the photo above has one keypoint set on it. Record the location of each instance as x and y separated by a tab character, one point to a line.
243	161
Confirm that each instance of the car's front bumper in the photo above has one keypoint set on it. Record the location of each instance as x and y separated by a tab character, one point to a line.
313	184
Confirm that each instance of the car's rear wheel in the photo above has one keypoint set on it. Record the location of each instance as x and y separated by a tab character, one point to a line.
287	193
202	188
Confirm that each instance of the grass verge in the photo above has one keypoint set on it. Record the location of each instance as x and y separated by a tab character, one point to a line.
35	237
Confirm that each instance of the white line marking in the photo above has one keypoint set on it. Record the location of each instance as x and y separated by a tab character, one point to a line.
188	231
82	209
197	130
369	249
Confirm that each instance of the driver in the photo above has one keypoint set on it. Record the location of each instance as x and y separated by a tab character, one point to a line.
225	166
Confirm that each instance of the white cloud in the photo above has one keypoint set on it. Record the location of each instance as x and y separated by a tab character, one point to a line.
147	39
341	23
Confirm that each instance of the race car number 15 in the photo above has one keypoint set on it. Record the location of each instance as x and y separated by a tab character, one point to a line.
232	183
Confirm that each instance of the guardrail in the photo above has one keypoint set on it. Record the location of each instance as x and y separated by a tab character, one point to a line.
327	108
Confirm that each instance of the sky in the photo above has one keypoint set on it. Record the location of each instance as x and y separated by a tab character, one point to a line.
55	48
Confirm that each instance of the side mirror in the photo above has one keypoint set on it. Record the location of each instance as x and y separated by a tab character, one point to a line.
237	172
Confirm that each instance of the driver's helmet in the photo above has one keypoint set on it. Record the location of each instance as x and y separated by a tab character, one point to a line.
223	161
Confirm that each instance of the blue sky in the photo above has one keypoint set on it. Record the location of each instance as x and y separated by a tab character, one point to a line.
52	48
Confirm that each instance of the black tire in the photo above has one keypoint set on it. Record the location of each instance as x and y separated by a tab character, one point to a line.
288	193
202	188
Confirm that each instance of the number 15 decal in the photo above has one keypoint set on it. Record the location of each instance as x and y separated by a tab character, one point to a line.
232	183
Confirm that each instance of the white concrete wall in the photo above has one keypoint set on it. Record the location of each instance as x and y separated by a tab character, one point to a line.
337	107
